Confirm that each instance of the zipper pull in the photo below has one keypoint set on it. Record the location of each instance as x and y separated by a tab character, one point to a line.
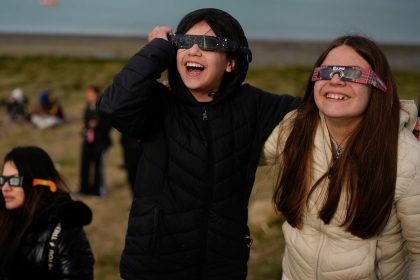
205	118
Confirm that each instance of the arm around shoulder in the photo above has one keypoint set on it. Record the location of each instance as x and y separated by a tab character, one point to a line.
274	145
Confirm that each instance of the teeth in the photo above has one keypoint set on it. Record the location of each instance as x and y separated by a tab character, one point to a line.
192	66
195	65
336	96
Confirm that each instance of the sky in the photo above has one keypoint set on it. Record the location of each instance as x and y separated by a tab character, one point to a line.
384	20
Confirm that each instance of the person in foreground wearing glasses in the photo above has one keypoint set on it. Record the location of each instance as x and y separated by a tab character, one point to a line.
201	141
41	232
349	171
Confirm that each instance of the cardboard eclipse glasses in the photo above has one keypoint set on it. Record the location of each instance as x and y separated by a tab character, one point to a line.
207	43
18	182
354	74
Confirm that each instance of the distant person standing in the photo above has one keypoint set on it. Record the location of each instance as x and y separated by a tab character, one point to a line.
95	141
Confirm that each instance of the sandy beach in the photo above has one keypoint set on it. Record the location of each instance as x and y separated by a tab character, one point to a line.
265	53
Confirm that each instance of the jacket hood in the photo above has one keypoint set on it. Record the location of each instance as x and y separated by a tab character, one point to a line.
74	213
68	212
408	114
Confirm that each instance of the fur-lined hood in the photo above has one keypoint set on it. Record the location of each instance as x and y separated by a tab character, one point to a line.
68	212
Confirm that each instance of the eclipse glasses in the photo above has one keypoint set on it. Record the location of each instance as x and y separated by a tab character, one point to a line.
13	181
208	43
354	74
18	182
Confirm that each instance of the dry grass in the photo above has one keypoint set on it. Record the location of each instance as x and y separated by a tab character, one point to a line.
67	78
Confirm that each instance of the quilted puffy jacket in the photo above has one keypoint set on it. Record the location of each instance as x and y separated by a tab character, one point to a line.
73	258
327	251
196	170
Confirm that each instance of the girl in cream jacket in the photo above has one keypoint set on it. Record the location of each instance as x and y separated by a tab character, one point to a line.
349	172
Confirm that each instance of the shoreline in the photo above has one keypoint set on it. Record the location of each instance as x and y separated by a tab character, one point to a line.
266	53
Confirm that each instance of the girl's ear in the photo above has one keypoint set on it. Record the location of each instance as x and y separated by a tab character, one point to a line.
230	65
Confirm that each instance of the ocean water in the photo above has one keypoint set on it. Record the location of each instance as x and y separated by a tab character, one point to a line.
387	21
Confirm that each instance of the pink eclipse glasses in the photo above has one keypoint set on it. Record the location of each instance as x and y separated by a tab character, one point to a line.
354	74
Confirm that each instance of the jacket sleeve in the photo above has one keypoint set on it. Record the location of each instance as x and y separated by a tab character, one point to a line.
273	146
408	205
269	154
74	255
272	110
133	103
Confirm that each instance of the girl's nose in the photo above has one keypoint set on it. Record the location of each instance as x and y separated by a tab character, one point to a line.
6	184
194	50
336	79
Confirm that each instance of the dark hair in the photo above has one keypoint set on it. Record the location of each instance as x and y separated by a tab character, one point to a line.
223	25
366	169
31	162
95	89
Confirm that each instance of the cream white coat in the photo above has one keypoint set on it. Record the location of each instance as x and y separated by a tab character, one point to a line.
327	251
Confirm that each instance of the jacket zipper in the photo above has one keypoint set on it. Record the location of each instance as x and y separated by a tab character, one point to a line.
319	253
205	117
207	132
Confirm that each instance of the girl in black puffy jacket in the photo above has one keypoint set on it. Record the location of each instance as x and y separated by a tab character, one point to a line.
42	232
201	138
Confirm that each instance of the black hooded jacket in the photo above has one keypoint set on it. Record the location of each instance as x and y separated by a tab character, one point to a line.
196	170
73	258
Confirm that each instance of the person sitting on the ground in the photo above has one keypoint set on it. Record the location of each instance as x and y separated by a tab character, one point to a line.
42	231
15	106
49	112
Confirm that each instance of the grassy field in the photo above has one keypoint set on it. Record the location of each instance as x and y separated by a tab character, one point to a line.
67	78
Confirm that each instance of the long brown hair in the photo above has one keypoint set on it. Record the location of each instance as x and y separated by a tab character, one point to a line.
366	171
31	162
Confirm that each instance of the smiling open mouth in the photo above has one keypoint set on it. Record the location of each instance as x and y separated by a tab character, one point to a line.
194	67
336	96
